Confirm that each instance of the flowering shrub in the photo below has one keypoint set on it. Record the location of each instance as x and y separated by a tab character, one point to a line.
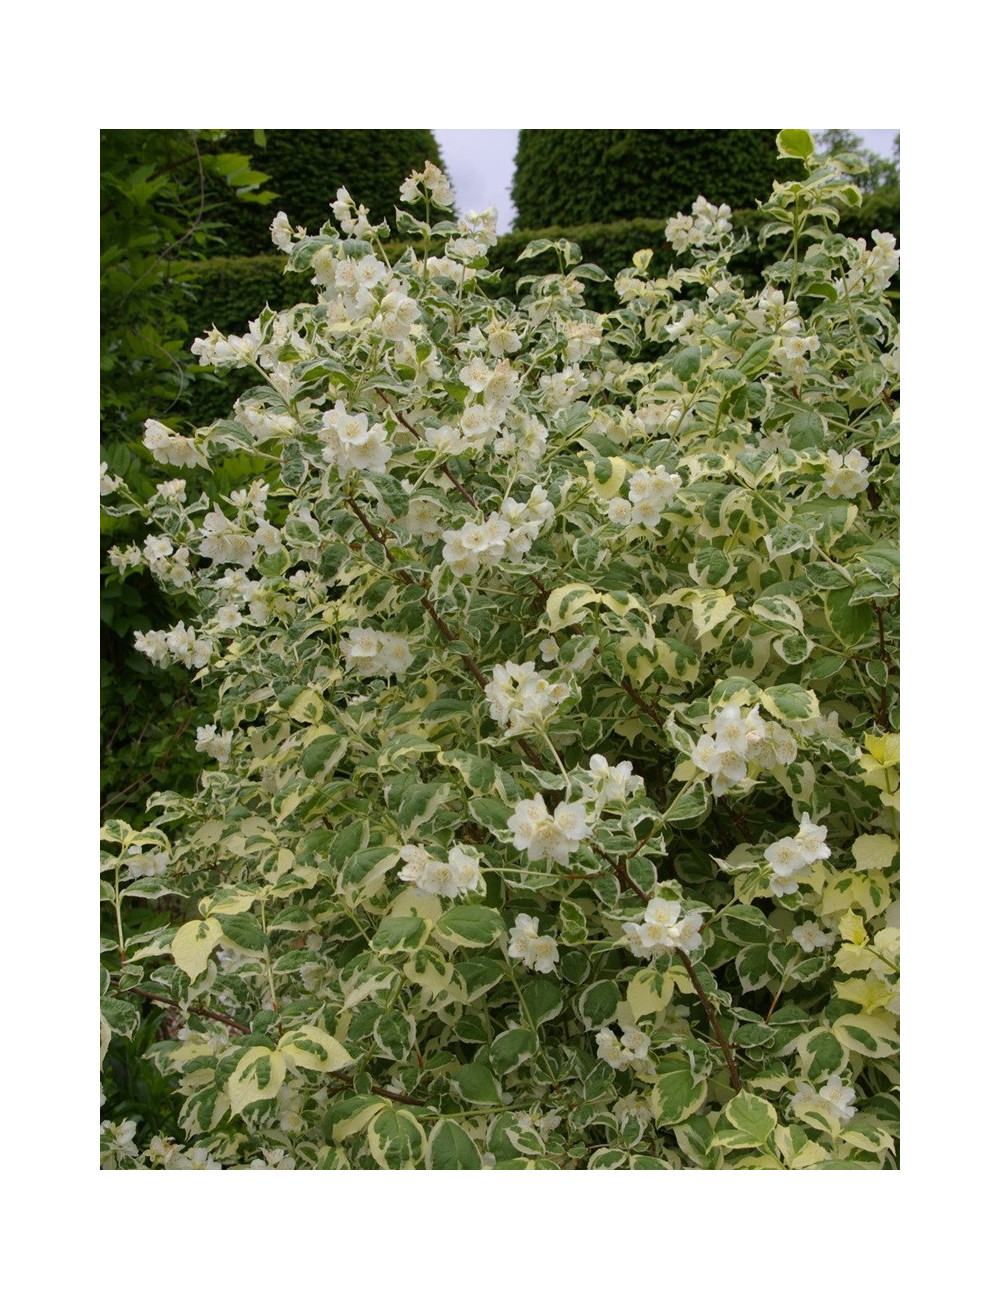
549	817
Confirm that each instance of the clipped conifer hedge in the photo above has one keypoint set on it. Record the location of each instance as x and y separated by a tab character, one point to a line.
573	178
306	167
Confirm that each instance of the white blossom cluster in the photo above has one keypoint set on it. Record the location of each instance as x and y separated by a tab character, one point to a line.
563	387
789	857
504	535
180	644
477	234
139	864
731	742
845	476
706	225
522	699
662	929
352	443
792	353
371	653
632	1047
434	182
166	564
539	952
349	283
771	314
549	836
459	875
210	742
875	266
165	1153
170	448
352	218
649	494
492	390
611	784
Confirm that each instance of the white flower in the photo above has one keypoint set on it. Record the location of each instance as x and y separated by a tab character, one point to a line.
375	654
109	482
215	746
834	1099
619	512
549	836
117	1144
810	936
612	784
281	232
663	929
459	875
170	448
522	699
524	943
785	857
811	840
124	559
845	476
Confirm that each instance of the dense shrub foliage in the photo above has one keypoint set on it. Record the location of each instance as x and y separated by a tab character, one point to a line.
230	289
573	178
550	810
306	167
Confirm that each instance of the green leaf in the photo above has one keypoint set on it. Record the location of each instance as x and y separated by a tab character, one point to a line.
400	932
450	1147
323	752
795	144
395	1034
478	773
691	807
850	622
677	1093
474	1083
822	1054
313	1048
510	1049
790	702
258	1076
541	998
350	1115
243	932
193	944
753	967
490	813
122	1016
471	925
686	363
747	1121
745	924
599	1004
806	429
396	1139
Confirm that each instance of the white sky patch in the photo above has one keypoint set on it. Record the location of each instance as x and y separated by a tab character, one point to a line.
481	166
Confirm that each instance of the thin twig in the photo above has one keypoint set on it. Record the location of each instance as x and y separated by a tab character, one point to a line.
245	1029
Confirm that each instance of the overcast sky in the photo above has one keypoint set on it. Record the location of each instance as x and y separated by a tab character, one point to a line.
481	166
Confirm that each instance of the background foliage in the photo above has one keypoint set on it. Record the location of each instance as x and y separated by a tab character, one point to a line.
160	196
306	167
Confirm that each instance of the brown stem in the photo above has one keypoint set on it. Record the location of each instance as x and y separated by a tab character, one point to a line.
883	717
727	1051
245	1029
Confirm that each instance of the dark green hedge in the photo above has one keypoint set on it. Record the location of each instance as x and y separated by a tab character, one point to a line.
581	177
305	170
